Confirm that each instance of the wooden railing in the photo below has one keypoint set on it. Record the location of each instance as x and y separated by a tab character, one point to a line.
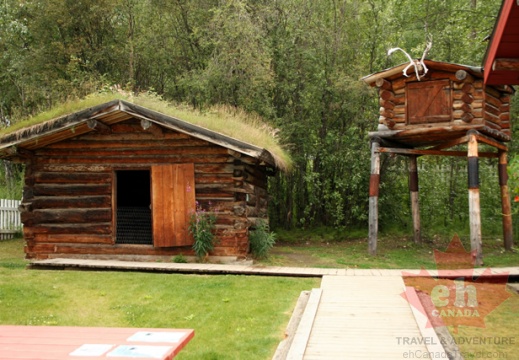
10	223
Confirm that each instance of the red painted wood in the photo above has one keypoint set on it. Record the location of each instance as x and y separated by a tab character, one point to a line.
504	44
56	342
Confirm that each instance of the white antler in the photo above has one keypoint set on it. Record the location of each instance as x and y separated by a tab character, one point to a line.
425	52
411	61
414	63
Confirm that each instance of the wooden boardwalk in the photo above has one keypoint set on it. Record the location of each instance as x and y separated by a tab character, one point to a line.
247	269
352	317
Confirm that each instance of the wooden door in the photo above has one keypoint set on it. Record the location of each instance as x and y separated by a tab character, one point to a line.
173	201
429	102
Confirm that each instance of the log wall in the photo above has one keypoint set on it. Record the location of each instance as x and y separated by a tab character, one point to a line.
471	102
68	207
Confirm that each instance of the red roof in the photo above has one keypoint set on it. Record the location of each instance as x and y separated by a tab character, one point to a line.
501	64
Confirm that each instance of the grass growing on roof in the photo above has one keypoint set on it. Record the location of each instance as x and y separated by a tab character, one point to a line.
226	120
232	316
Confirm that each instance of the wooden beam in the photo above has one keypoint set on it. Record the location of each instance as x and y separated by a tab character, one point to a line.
506	64
474	201
432	152
492	142
452	143
101	128
413	190
506	208
374	184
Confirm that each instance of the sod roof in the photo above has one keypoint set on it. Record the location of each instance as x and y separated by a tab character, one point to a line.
234	129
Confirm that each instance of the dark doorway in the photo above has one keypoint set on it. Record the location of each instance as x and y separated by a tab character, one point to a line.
133	223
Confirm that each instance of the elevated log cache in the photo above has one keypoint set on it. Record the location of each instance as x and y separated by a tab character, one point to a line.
448	107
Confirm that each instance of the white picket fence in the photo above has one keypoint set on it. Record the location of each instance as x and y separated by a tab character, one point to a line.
10	222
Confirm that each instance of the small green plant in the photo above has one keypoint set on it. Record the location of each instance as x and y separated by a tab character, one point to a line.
261	240
201	226
180	259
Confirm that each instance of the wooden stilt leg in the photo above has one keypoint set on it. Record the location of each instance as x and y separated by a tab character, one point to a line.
413	189
505	201
374	183
474	201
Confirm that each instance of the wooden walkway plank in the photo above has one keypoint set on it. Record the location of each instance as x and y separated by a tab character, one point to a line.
362	317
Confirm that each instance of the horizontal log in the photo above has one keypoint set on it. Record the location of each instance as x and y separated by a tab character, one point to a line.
467	117
460	105
66	216
505	64
494	101
505	107
386	113
105	249
73	229
504	117
399	110
79	201
383	84
460	95
491	117
77	239
490	109
492	91
492	125
478	84
478	94
478	113
462	75
122	161
68	190
387	104
45	167
127	152
467	88
434	152
387	95
72	177
96	143
212	179
477	104
505	99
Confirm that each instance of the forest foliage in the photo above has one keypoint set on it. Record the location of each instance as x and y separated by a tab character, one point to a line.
295	63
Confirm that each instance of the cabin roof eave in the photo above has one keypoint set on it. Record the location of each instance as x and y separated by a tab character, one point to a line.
71	125
398	69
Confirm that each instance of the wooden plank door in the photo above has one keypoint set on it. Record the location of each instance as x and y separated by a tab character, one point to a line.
173	201
429	102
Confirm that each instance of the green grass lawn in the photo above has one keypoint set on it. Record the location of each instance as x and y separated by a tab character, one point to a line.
234	317
334	249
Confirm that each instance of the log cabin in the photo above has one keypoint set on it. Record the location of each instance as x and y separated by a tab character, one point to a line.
120	181
430	108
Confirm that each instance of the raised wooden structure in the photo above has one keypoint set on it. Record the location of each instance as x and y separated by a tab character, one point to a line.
120	181
501	61
450	105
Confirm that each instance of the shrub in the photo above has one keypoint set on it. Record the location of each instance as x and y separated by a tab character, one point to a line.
201	226
261	240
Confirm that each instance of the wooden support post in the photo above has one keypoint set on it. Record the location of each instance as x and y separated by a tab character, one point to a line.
374	183
474	202
505	201
413	190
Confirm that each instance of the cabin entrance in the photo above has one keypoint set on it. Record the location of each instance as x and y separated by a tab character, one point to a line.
133	207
